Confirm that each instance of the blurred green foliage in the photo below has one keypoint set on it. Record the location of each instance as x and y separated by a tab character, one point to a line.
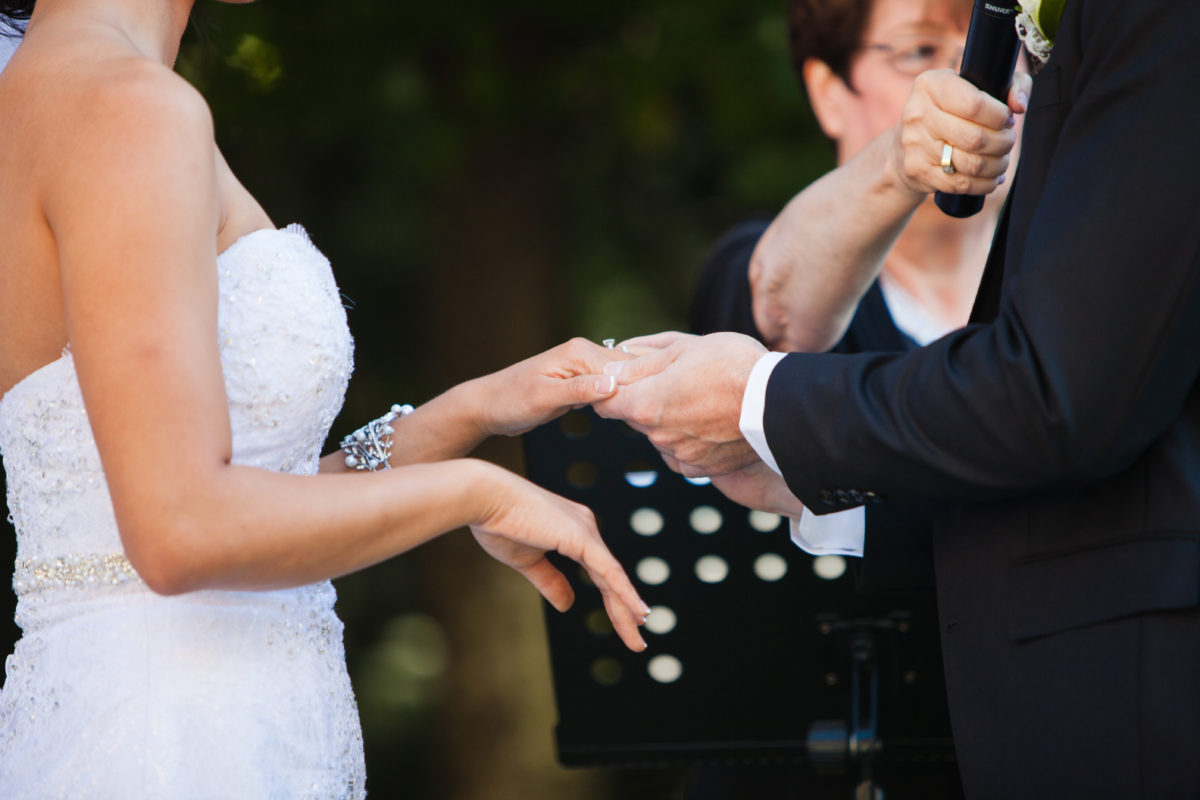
650	126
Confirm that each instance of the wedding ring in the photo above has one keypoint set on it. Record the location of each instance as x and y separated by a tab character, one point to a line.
947	154
609	343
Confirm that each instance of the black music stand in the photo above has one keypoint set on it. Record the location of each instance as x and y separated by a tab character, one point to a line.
763	654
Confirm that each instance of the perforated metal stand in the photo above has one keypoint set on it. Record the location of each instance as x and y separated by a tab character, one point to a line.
837	748
757	651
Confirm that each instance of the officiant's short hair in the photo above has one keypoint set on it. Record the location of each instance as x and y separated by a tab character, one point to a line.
829	30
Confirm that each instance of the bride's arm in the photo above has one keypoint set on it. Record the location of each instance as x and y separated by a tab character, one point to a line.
135	211
508	402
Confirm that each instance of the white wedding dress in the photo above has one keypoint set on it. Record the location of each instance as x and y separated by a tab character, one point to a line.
116	692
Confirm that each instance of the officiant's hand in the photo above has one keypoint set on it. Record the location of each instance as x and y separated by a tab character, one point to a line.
685	394
538	389
945	108
522	522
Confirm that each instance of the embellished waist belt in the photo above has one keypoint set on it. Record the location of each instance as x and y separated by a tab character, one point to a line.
75	571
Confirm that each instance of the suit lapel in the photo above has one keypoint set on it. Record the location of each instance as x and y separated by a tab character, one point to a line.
987	299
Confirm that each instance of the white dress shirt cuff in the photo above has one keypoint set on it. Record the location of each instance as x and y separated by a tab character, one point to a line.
840	533
754	404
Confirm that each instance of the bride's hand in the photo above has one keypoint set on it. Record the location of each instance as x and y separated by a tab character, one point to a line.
538	389
524	521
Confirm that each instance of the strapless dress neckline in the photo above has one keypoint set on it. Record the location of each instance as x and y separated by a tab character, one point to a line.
293	229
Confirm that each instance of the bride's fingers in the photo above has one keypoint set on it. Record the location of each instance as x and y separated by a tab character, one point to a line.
569	376
579	539
550	583
585	357
616	583
641	345
624	605
625	608
625	623
585	390
636	350
607	573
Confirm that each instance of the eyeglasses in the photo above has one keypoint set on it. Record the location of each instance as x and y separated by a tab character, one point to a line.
915	53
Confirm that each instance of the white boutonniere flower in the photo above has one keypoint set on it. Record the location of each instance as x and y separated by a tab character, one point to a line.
1037	25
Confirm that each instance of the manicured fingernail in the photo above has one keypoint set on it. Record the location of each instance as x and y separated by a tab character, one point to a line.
1023	99
625	349
606	385
645	610
1001	179
613	368
1012	121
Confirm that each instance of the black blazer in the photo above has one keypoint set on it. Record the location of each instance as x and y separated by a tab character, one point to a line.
1059	434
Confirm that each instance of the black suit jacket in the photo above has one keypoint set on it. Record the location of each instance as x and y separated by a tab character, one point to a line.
1059	434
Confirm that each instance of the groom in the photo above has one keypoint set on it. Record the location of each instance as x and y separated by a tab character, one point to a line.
1058	434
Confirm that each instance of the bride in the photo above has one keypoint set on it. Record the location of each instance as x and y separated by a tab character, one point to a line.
170	363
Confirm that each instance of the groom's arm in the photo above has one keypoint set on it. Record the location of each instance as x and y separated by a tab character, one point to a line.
1094	349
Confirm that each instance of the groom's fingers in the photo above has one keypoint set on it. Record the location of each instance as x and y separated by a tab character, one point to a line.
670	461
689	471
683	468
639	400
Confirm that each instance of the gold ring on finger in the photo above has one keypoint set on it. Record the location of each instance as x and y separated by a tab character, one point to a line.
947	155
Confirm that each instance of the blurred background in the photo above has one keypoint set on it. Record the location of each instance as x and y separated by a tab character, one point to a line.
490	179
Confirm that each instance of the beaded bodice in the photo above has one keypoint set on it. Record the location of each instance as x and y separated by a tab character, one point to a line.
286	354
115	691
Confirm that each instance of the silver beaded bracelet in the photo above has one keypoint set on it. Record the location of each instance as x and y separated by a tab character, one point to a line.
370	447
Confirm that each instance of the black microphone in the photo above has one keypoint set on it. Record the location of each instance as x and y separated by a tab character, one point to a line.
988	62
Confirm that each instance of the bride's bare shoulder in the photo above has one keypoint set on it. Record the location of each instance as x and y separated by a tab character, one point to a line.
103	103
132	94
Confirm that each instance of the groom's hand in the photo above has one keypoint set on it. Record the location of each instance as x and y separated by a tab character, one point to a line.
758	486
685	394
